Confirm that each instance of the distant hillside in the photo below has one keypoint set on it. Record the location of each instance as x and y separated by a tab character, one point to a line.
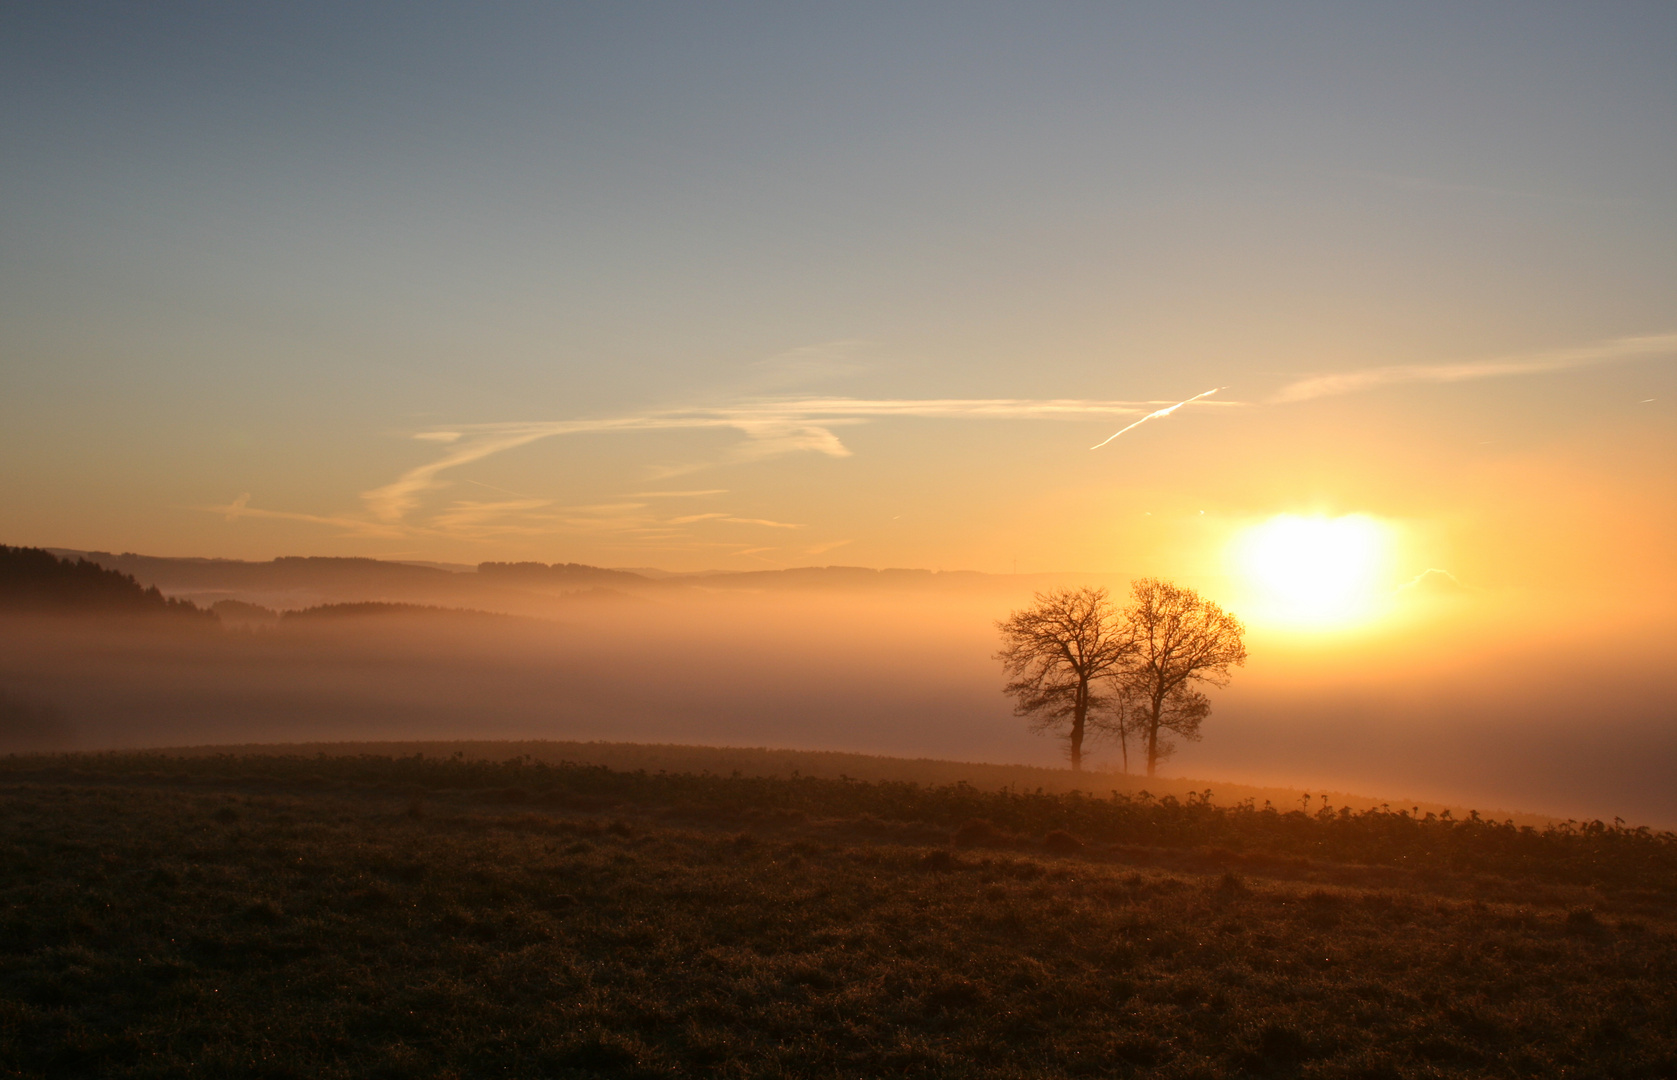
559	575
187	574
38	581
292	582
798	578
527	588
326	612
847	579
239	613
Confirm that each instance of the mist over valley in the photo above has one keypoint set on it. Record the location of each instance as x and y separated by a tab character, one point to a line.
895	663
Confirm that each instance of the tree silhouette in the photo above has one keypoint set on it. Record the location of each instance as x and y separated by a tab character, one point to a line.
1177	639
1059	652
1180	714
1120	714
32	579
1080	668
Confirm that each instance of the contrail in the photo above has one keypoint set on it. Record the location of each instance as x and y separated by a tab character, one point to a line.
1155	415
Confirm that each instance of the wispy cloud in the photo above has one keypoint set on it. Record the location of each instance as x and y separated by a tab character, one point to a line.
1155	415
392	501
409	507
770	426
241	508
1616	350
764	522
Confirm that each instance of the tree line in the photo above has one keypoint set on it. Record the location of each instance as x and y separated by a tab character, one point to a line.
1081	667
32	579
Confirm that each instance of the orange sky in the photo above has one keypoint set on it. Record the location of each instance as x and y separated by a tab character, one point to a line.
694	292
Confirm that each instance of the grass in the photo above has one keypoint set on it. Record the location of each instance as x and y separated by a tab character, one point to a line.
785	763
310	916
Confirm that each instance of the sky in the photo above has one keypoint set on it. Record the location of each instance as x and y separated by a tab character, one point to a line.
753	286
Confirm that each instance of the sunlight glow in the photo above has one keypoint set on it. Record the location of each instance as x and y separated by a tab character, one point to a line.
1316	570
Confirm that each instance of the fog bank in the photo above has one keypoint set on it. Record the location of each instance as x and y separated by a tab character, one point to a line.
1462	704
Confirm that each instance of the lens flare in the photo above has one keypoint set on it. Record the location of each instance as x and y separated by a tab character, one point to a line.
1316	570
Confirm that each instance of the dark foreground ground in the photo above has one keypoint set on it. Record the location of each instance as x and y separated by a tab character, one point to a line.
272	917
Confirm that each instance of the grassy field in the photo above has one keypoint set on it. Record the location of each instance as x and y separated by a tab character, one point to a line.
272	916
775	762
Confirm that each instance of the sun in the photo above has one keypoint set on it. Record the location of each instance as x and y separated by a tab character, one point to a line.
1316	570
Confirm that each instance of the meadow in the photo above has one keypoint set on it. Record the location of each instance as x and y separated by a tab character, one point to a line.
279	915
786	763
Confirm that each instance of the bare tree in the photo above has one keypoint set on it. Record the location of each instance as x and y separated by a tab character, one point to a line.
1058	653
1125	713
1181	714
1178	638
1120	715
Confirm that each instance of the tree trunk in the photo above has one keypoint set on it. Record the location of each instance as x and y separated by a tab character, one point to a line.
1153	737
1079	711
